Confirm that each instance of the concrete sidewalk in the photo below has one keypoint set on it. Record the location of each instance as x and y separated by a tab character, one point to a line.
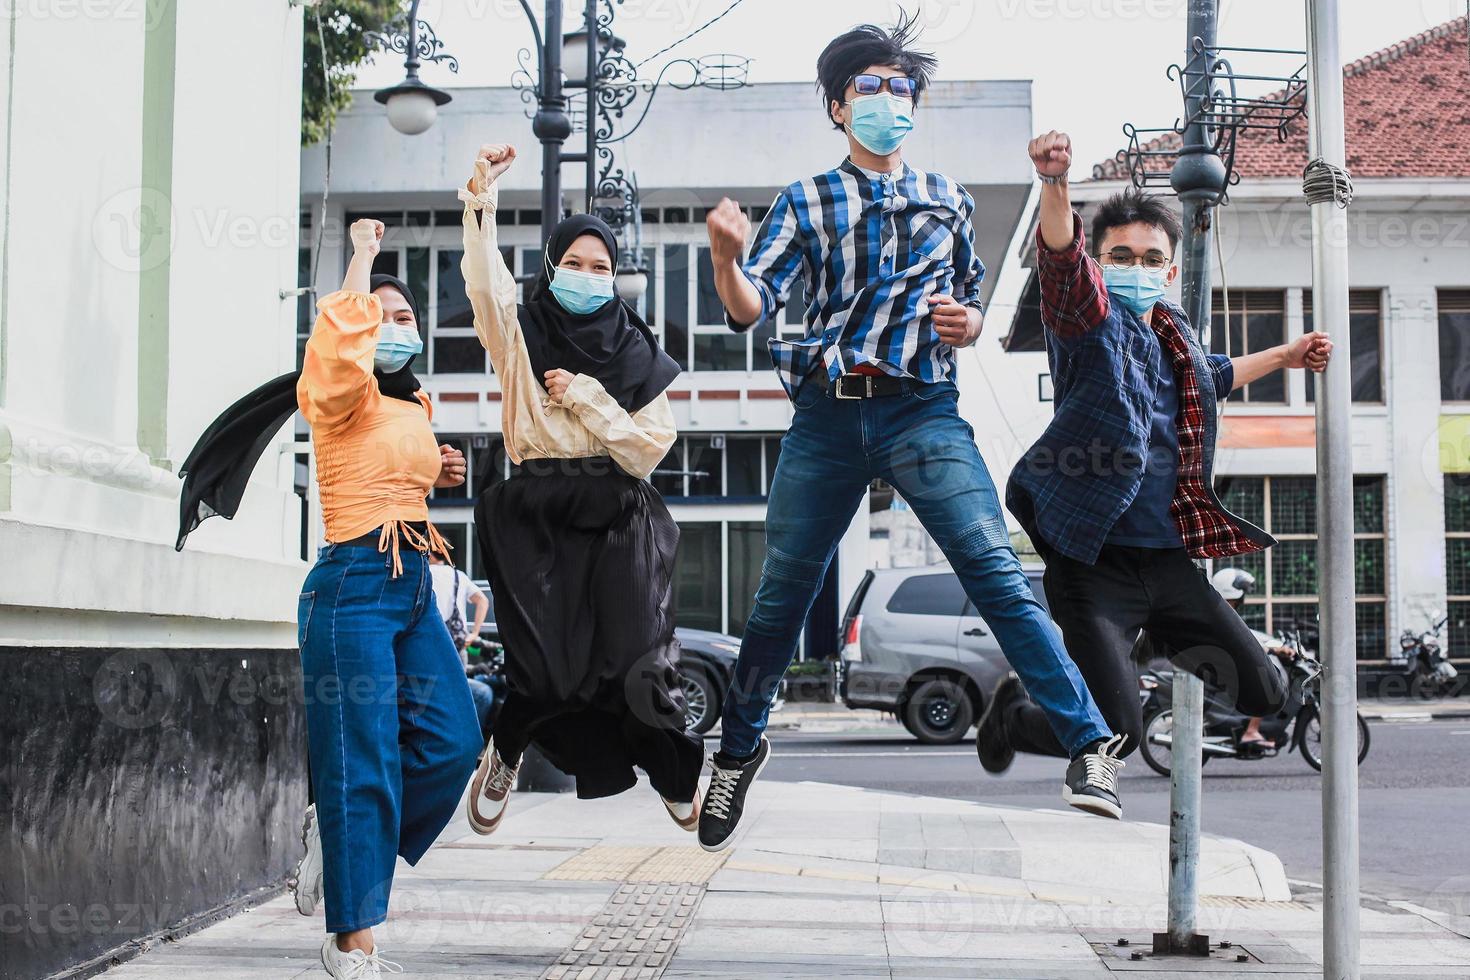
825	881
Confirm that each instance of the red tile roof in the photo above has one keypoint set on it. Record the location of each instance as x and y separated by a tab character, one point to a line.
1408	115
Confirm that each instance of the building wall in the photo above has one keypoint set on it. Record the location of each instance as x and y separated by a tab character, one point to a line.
150	208
1407	240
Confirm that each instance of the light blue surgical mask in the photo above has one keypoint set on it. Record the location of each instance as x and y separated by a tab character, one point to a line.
398	343
581	292
1137	288
881	121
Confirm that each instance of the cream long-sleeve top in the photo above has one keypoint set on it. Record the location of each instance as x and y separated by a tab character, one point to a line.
589	421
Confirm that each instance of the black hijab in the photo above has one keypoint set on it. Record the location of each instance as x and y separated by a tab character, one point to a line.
612	344
218	467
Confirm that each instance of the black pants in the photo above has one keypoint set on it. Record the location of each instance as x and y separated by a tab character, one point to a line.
1101	609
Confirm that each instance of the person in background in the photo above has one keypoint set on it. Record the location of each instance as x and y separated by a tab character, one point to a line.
1234	584
452	589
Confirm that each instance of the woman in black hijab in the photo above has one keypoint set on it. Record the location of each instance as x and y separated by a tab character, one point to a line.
579	547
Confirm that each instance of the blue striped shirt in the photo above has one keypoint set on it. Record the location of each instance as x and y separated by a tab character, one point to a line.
872	248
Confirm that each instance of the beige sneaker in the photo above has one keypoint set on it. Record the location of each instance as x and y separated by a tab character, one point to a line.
490	791
306	883
686	815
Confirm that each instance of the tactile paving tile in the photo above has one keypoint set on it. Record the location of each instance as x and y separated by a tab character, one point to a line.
634	936
652	864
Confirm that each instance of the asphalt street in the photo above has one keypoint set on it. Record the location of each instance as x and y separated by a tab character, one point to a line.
1414	797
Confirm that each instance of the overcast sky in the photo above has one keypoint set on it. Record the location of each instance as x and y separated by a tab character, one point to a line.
1095	63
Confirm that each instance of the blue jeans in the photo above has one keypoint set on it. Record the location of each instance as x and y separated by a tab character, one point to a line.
484	698
391	729
918	443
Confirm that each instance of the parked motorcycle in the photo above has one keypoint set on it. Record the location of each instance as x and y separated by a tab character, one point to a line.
1297	726
1425	662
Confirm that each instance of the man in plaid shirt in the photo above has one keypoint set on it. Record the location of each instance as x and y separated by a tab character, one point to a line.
1118	493
891	280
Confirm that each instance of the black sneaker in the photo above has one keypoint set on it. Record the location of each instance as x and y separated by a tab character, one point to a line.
1092	779
724	800
992	741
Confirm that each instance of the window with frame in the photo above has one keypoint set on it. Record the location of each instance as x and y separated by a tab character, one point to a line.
1454	345
714	465
1457	561
1365	334
716	572
1286	575
1257	323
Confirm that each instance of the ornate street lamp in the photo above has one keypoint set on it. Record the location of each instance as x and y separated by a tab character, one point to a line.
412	105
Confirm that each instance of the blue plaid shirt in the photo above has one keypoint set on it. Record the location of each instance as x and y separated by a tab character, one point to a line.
872	248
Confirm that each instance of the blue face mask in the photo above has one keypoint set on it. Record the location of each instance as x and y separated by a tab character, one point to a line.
581	292
881	121
398	343
1135	287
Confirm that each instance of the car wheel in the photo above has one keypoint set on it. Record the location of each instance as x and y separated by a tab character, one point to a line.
938	712
701	700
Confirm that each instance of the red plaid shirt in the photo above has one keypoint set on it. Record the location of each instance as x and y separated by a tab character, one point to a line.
1074	300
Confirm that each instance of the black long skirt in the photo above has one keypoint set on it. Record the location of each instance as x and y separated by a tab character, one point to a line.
580	558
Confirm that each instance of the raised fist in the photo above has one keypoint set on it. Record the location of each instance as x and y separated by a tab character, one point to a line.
493	160
1051	153
367	235
728	229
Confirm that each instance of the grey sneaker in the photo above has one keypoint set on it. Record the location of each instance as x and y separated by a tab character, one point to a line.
307	881
1092	780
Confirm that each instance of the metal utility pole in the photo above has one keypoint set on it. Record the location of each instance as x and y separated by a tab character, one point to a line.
1199	178
551	125
1328	190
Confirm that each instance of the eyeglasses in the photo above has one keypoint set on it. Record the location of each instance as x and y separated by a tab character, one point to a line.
902	86
1153	260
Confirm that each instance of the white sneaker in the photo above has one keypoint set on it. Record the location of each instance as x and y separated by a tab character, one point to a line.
490	791
355	965
307	882
686	815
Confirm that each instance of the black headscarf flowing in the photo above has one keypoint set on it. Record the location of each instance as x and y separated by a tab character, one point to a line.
219	466
612	344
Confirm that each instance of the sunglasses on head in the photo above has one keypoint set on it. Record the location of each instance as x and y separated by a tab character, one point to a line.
900	85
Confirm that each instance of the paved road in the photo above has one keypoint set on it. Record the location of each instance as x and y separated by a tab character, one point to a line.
1415	795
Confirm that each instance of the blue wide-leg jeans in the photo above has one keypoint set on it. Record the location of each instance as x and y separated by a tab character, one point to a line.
918	443
391	728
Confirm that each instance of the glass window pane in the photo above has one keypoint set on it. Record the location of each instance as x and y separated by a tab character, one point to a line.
1459	629
1254	563
416	265
458	536
743	467
305	307
1266	330
1294	505
697	576
795	312
1368	504
1454	355
710	310
720	351
454	305
1244	495
1294	568
648	307
929	595
668	476
705	465
747	555
1369	577
458	355
773	453
1372	630
1457	566
1254	614
1367	369
385	263
676	303
462	443
1284	614
1457	502
487	465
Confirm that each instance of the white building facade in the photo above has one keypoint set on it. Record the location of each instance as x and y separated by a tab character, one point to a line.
695	148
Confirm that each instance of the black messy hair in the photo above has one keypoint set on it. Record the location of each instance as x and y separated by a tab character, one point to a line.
1132	206
867	45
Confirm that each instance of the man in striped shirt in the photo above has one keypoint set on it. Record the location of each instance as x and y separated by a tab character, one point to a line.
886	254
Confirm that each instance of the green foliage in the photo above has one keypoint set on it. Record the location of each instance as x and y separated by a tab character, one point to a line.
344	26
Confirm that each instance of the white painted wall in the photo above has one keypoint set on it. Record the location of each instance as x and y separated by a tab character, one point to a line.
86	522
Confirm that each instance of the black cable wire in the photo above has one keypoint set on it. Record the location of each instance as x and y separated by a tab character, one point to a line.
689	35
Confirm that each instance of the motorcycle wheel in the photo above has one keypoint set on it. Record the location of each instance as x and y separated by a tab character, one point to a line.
1309	737
1159	757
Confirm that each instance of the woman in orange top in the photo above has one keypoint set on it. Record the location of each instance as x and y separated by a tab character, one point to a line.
391	725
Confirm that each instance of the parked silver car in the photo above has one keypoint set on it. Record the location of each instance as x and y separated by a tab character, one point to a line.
912	643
